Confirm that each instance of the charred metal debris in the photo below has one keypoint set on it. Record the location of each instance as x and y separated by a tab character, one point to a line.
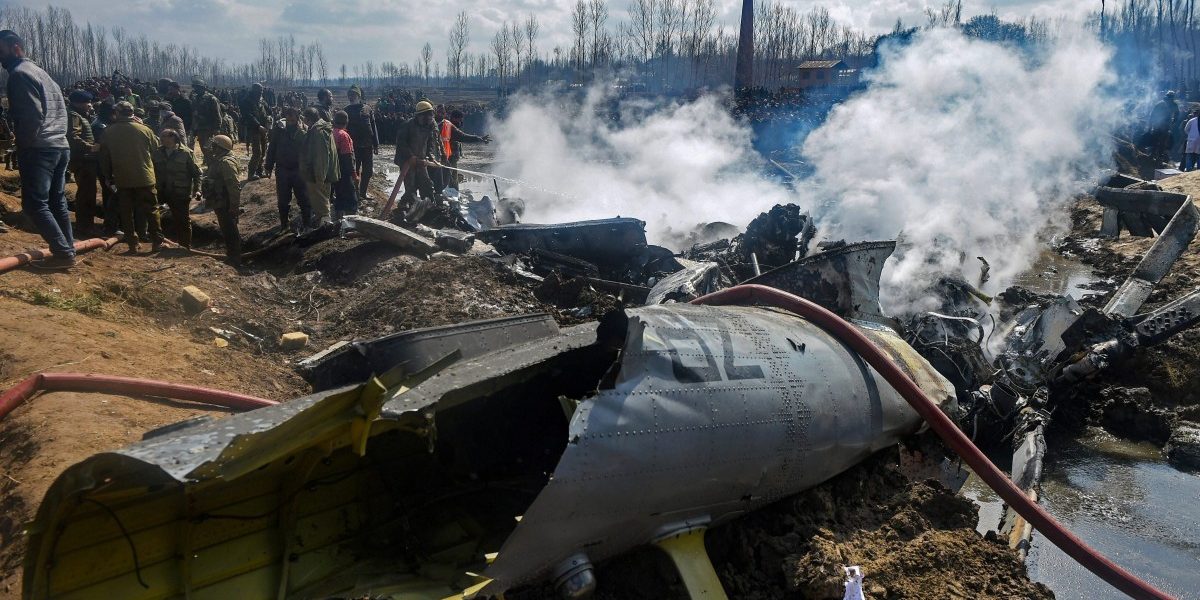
468	460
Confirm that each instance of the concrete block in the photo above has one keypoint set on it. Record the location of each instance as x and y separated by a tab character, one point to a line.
293	341
194	300
1161	174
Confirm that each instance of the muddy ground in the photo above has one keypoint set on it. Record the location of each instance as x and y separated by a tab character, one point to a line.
1157	391
120	314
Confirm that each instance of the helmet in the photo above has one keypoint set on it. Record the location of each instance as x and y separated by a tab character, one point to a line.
423	107
257	86
223	141
199	83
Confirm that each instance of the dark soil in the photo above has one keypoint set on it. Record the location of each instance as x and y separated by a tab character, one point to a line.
913	540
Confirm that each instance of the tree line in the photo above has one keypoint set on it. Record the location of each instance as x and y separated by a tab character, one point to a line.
656	44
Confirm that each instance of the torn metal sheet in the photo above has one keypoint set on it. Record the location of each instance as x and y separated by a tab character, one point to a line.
605	242
392	234
355	362
589	442
1142	212
844	280
1167	249
695	280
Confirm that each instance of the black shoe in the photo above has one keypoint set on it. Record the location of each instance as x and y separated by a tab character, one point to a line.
54	263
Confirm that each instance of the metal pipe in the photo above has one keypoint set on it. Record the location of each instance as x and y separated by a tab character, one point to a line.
12	262
122	386
1041	520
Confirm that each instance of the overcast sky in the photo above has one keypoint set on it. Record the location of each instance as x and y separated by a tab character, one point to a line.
354	31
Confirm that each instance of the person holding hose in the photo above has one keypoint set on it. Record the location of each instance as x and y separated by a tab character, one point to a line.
223	194
414	145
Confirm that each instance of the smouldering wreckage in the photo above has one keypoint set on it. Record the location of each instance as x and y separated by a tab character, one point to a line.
464	461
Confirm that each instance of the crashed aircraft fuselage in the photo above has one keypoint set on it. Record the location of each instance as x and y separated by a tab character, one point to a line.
480	474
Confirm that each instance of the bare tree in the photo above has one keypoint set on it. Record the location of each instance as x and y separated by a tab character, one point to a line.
500	46
460	36
531	34
598	17
426	59
580	21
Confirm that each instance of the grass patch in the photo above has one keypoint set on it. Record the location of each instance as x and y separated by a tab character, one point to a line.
88	304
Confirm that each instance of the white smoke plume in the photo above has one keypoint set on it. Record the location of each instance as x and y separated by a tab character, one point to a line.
674	166
964	148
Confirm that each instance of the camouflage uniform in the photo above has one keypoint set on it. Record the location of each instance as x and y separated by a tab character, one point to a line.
208	118
178	179
85	166
257	122
222	194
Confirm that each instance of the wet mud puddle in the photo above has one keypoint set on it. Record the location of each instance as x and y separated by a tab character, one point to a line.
1121	497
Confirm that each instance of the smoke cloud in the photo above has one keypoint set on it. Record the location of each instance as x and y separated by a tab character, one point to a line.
964	148
959	147
673	165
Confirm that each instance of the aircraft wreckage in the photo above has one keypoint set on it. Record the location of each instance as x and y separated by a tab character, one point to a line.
464	461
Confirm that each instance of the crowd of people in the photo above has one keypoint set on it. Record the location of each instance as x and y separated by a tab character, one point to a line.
130	147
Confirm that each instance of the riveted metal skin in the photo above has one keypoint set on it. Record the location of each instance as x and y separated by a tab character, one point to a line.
716	411
1169	319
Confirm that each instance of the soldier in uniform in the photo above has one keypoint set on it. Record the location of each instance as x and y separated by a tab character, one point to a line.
153	118
318	164
414	144
207	116
178	180
283	157
222	194
325	105
366	138
84	163
182	107
126	159
257	123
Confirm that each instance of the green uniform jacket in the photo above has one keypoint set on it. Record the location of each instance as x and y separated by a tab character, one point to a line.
81	139
255	114
176	172
319	159
209	115
125	154
221	190
414	139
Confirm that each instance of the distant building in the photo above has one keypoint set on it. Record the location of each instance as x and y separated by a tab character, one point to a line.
825	73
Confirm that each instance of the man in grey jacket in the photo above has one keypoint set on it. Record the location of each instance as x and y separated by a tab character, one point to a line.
39	116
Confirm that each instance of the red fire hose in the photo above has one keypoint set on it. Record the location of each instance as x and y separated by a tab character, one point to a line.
122	386
946	429
12	262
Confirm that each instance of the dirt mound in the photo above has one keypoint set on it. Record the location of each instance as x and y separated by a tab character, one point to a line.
1187	183
408	293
